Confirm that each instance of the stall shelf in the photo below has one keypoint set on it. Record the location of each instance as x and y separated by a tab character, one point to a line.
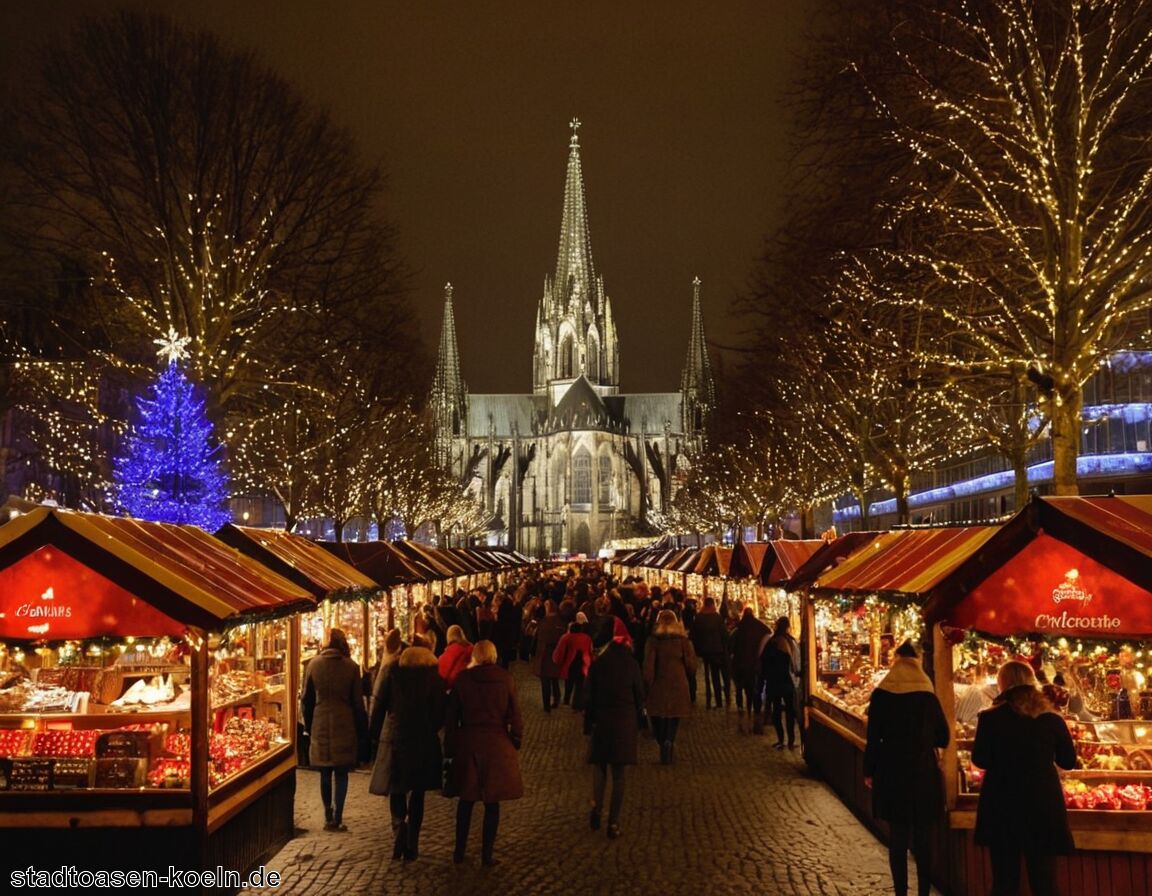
146	703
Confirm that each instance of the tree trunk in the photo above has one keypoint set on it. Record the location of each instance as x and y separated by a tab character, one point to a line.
900	487
1020	480
861	494
808	522
1066	439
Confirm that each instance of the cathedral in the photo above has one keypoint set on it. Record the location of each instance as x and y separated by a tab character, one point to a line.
576	465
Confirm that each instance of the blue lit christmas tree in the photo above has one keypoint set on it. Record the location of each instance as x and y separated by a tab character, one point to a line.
170	470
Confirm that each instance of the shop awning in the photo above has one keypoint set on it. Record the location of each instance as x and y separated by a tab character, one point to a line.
830	555
908	561
427	558
378	560
789	554
300	560
1062	566
70	575
747	559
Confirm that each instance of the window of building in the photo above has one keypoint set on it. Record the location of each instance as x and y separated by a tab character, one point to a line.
605	480
582	478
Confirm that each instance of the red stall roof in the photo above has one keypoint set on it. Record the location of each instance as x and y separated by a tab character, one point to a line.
1062	565
909	561
81	575
829	555
426	557
303	561
378	560
789	555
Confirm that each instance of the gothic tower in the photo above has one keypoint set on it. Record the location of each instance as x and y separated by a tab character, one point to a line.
449	399
575	332
697	392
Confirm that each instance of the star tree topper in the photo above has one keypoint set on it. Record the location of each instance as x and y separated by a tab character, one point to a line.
173	346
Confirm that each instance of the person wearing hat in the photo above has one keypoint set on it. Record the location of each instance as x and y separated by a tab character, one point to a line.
613	716
905	728
1021	814
573	657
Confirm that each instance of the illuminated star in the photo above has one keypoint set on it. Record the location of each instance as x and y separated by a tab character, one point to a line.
173	346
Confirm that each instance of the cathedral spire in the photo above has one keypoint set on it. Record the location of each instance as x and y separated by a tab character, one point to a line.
449	394
574	269
697	392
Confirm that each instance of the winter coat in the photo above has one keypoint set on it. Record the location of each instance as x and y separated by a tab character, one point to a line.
507	631
780	666
333	706
453	661
482	734
708	636
1019	743
548	634
573	655
614	706
905	727
409	714
669	661
747	641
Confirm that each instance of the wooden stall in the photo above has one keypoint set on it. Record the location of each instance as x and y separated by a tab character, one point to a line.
147	696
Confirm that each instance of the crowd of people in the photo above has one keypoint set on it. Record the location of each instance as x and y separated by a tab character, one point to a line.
440	712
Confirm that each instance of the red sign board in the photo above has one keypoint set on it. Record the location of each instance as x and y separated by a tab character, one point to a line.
1050	587
50	596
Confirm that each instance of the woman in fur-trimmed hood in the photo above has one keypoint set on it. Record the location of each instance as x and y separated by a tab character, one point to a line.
905	728
1019	743
410	711
669	661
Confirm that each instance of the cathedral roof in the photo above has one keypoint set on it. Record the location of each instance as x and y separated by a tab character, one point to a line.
582	408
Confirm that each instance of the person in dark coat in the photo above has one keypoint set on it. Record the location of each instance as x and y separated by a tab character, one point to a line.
482	736
905	728
748	640
613	716
1019	743
337	726
407	716
507	634
780	669
548	634
708	637
669	663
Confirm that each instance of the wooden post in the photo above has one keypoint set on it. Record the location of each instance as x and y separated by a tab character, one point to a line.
200	734
808	637
946	694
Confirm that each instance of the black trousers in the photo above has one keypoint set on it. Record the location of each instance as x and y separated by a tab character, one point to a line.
716	674
664	729
918	838
1006	872
599	784
783	707
488	833
550	692
574	688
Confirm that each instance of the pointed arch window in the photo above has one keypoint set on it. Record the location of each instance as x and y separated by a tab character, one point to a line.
593	365
605	484
567	357
582	478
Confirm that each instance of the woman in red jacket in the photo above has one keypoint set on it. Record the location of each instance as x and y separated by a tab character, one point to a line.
456	655
573	656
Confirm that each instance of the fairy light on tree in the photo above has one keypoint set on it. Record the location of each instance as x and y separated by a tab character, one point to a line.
171	470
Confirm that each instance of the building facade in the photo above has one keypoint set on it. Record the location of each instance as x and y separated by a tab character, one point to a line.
576	464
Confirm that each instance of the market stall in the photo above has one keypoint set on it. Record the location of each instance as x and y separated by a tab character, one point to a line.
1067	586
386	566
146	695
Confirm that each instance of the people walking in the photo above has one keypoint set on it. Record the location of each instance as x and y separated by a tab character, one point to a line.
1019	743
613	716
780	668
456	655
573	657
708	637
336	723
669	662
482	735
748	641
407	717
905	728
548	633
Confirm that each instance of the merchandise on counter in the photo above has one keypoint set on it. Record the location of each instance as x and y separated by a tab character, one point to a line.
170	773
30	774
119	772
64	743
13	741
72	773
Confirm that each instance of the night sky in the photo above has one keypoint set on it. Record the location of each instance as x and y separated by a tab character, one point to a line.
467	105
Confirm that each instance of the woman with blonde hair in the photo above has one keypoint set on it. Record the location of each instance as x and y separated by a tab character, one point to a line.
482	736
669	662
1021	814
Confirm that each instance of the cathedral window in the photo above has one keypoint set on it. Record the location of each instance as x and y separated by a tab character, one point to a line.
605	480
567	358
582	478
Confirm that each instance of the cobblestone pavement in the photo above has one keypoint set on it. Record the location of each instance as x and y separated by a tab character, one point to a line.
731	816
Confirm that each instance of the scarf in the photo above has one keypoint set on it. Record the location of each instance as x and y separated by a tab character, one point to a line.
906	676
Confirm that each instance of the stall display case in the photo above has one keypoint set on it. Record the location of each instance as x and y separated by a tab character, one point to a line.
146	694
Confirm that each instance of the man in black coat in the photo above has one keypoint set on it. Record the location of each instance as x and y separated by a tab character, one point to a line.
748	641
708	638
905	728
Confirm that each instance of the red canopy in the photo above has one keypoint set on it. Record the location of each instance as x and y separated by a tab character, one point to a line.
789	555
